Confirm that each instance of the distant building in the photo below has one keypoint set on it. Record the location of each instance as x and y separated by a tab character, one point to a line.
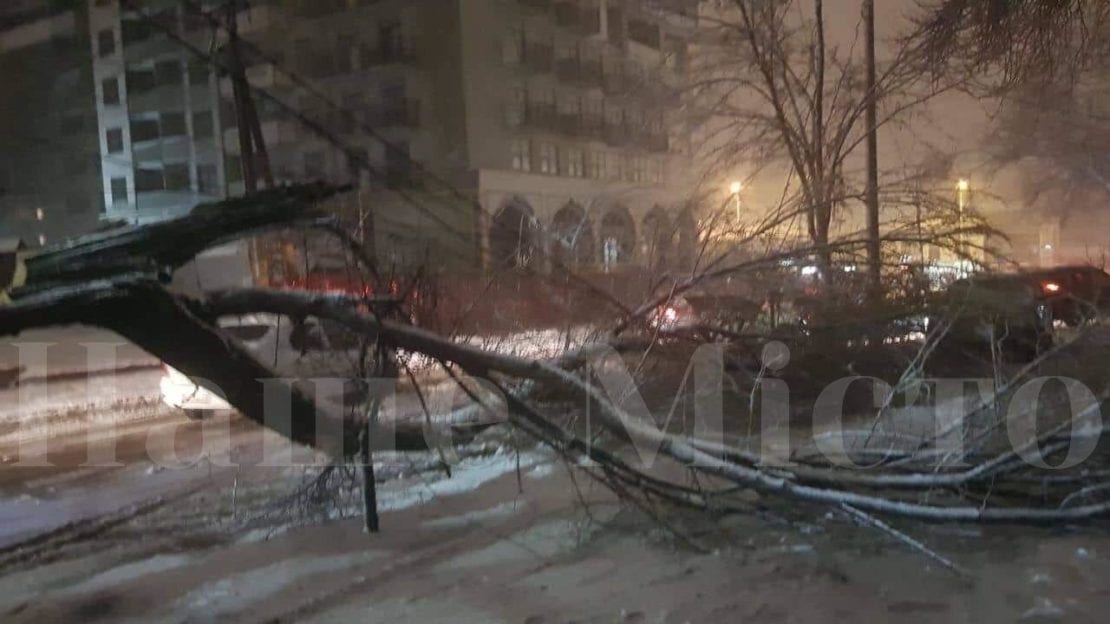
49	159
555	116
157	110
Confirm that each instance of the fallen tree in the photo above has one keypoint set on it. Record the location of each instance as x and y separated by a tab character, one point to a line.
184	332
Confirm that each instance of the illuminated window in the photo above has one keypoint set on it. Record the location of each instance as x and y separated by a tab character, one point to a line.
522	155
549	159
574	163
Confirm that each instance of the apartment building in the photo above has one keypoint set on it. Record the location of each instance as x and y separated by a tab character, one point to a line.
478	131
157	110
553	116
49	163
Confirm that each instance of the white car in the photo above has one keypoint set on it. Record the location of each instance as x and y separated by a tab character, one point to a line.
259	333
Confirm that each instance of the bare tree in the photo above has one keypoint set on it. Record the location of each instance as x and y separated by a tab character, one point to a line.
1000	45
770	89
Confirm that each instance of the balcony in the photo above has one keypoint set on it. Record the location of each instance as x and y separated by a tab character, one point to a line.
541	116
538	57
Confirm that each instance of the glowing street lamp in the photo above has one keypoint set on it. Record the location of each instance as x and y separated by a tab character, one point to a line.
963	187
735	189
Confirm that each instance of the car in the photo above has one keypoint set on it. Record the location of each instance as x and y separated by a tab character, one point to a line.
1077	294
714	315
1006	309
257	332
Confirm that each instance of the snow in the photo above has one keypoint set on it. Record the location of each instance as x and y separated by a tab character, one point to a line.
467	476
229	594
474	517
129	572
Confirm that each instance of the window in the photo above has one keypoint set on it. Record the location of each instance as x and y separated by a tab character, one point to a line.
512	48
549	161
614	24
522	155
110	91
173	124
202	125
115	140
207	180
168	73
177	177
391	38
639	169
134	31
119	190
599	165
574	162
198	72
644	32
628	168
106	42
140	80
149	179
514	113
144	130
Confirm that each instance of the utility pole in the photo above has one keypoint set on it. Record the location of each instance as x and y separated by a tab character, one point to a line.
254	159
874	251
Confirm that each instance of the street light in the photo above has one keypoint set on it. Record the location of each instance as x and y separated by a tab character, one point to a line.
963	186
735	189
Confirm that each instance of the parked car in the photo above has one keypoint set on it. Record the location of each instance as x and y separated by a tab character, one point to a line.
259	333
1007	309
715	315
1076	293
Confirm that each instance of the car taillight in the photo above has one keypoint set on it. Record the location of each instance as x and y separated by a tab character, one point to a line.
1051	287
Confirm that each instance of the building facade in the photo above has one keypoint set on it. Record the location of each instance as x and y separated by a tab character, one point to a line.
49	163
477	131
157	111
535	125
